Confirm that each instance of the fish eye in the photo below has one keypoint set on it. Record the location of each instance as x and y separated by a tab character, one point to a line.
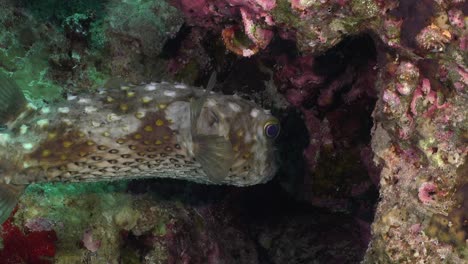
271	129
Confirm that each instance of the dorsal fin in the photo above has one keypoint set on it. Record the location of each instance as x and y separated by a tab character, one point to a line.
211	82
12	100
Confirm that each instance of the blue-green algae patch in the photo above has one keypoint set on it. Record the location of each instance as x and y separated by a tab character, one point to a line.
59	188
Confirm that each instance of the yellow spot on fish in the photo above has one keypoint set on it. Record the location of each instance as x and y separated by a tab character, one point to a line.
148	128
125	88
146	142
246	156
240	133
146	99
130	94
124	107
46	153
120	141
63	157
90	143
102	147
67	144
159	122
110	99
112	117
81	134
158	142
235	148
162	106
132	147
106	134
83	154
51	135
166	137
139	115
137	136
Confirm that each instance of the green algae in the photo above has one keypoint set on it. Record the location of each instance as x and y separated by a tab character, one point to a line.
59	188
58	10
284	14
365	8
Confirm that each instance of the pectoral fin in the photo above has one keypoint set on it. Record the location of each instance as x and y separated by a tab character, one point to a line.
9	195
215	154
197	104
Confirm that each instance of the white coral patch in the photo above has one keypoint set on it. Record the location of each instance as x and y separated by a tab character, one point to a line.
180	86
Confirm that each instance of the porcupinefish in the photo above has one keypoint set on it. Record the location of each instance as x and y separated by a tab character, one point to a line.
161	130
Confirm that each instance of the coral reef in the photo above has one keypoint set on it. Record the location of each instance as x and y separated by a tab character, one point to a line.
371	95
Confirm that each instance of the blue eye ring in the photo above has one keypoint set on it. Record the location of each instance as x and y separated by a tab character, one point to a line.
271	129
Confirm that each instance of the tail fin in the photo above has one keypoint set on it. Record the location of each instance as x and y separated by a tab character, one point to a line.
9	195
12	100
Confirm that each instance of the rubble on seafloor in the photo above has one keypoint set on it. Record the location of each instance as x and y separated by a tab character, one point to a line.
371	95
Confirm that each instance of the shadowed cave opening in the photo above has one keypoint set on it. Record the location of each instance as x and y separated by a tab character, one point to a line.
319	207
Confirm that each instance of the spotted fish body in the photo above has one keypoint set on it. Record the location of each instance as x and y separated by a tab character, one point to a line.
151	130
135	132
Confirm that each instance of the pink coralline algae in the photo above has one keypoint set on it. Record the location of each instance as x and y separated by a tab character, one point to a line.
298	78
408	76
89	242
255	20
456	18
427	192
301	4
40	224
261	37
391	98
425	98
433	38
232	41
